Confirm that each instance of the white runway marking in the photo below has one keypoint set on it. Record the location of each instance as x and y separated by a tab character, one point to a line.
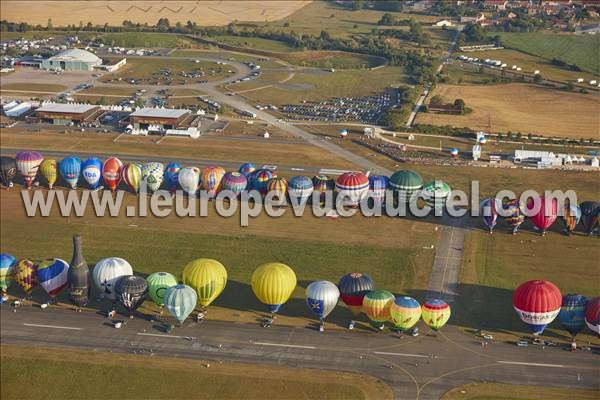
53	326
167	336
400	354
285	345
297	169
532	364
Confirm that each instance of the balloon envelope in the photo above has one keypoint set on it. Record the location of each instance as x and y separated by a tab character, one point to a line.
537	303
235	182
279	188
207	276
53	275
570	218
211	179
572	313
158	284
273	284
111	172
49	170
353	288
8	170
404	183
107	272
247	169
489	212
354	186
180	301
592	315
405	312
260	180
322	297
91	170
514	211
189	180
132	175
543	212
435	313
172	175
70	169
300	187
131	291
28	163
377	305
7	263
590	213
378	184
152	175
25	273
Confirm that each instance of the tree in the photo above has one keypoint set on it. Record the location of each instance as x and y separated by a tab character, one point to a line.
163	25
537	78
460	103
49	25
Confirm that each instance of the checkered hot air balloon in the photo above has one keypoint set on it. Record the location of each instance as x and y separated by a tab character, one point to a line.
25	274
152	175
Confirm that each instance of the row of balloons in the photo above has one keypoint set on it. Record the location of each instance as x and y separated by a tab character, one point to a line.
203	280
539	302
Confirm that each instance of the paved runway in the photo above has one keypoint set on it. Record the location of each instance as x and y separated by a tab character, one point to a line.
416	368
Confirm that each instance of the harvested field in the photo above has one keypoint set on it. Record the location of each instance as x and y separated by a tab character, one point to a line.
521	108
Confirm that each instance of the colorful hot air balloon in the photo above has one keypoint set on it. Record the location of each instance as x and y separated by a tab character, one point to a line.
8	171
343	133
49	170
70	169
323	184
570	218
7	264
91	170
180	301
377	305
405	312
435	193
489	213
158	285
172	176
152	175
28	163
590	213
515	216
279	188
111	172
353	288
273	284
132	175
537	303
454	152
131	291
354	186
107	272
208	277
189	180
235	182
546	213
260	180
592	315
572	313
53	275
211	179
404	183
435	313
247	169
322	297
300	188
25	275
378	185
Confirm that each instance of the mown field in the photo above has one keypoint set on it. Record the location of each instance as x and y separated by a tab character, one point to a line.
60	374
145	39
496	391
253	43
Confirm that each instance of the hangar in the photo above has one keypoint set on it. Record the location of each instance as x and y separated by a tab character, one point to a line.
72	60
157	119
64	114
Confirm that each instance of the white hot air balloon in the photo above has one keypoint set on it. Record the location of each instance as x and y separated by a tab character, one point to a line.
189	179
180	301
107	272
322	297
152	175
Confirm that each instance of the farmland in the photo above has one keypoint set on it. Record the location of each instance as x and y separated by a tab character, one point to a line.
253	43
145	39
496	391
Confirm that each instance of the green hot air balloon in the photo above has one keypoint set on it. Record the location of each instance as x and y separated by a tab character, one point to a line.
158	284
404	183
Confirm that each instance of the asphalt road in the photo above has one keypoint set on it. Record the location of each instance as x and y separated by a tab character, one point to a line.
415	368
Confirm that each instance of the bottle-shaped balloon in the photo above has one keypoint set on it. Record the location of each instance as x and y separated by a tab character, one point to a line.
79	276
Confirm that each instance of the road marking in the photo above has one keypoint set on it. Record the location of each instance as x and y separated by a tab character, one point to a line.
167	336
400	354
297	169
53	326
285	345
532	364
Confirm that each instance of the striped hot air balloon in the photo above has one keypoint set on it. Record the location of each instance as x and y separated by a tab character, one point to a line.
25	273
592	315
211	179
404	183
273	284
278	188
260	180
235	182
70	169
28	163
515	216
572	313
132	175
537	303
7	264
208	277
180	301
377	305
247	169
49	170
405	312
436	193
353	186
52	275
322	185
111	172
489	213
353	288
435	313
570	218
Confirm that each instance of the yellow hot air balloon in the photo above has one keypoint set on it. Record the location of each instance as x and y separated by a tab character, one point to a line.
273	284
207	277
377	305
49	170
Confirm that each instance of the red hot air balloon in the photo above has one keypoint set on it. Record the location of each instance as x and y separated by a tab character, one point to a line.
354	185
537	303
592	315
111	172
543	212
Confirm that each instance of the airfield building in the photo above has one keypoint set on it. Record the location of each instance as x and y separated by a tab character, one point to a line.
65	114
72	60
160	119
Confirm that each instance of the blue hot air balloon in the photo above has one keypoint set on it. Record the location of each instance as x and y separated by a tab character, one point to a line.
378	184
247	169
300	188
572	313
7	264
91	170
171	175
180	301
70	168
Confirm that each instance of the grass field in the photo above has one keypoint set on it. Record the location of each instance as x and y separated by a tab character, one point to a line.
253	43
145	39
34	87
59	374
520	107
581	50
496	391
266	78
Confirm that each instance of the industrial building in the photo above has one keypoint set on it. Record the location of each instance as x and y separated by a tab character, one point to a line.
72	60
65	114
161	119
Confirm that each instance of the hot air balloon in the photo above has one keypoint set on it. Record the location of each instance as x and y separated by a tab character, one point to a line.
354	186
489	213
273	284
592	315
211	179
53	275
279	188
172	176
28	163
70	169
91	170
132	175
49	170
515	216
235	182
247	169
7	264
537	303
572	313
208	277
378	185
158	285
25	275
435	313
570	218
111	172
300	188
180	301
590	213
260	180
322	297
322	184
131	291
404	183
377	305
8	171
343	133
405	312
436	193
79	278
107	272
189	180
353	288
152	175
454	152
546	213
